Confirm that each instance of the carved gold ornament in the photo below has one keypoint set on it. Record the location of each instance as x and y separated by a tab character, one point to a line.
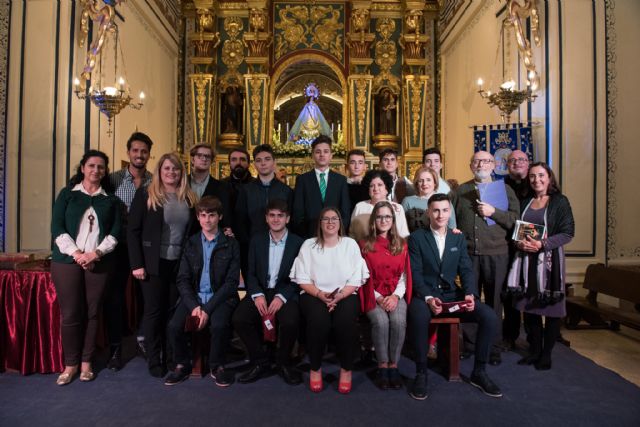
416	98
360	19
256	98
516	17
309	27
386	54
232	52
201	83
361	100
257	19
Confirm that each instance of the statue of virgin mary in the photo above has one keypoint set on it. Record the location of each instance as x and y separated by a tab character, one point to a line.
310	123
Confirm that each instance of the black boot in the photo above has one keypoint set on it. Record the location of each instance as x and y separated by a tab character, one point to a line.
533	324
551	332
115	360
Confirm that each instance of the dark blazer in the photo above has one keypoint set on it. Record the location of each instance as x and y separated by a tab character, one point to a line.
258	272
436	278
220	189
224	272
307	201
252	205
144	232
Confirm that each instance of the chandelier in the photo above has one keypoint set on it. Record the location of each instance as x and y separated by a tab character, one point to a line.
111	94
508	98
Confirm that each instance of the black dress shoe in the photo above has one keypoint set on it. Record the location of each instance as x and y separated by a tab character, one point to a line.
141	349
157	371
395	380
495	359
419	389
115	361
543	364
254	374
529	360
291	375
382	379
177	376
221	377
481	380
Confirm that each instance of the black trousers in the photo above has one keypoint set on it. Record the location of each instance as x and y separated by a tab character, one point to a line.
491	276
542	338
219	327
343	321
420	316
247	323
160	295
511	322
115	296
79	294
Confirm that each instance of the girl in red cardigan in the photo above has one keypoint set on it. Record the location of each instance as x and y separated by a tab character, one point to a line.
386	295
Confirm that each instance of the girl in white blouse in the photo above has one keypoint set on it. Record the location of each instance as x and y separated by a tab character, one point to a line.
329	269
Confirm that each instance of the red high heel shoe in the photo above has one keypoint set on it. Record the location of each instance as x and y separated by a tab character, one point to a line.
344	387
316	386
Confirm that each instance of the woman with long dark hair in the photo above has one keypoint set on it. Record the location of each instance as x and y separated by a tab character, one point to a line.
85	227
537	276
329	270
385	296
160	218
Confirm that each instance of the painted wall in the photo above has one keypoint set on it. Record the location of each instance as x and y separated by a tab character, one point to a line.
48	128
586	108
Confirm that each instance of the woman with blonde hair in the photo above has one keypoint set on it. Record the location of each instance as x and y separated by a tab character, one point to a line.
426	182
160	219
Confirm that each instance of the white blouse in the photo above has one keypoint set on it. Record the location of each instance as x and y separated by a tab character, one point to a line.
359	227
330	268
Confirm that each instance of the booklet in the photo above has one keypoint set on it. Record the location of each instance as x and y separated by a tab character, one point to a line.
524	229
495	194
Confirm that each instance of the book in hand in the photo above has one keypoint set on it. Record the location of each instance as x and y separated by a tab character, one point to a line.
454	307
269	327
524	229
191	324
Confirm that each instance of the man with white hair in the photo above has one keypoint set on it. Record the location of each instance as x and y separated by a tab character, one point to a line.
487	241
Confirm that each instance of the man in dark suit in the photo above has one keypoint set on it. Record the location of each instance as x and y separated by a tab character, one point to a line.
270	293
318	189
203	184
437	256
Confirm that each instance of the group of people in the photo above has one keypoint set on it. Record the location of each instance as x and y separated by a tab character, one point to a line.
417	250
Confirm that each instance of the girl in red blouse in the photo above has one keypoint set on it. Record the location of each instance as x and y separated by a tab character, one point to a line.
385	296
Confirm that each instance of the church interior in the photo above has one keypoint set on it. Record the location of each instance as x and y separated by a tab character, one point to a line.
553	78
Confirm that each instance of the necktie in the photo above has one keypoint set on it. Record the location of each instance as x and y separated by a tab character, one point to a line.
323	185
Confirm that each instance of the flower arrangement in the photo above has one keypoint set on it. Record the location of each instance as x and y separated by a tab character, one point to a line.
291	149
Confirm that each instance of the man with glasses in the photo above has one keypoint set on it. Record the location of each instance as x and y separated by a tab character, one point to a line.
487	241
517	179
203	184
254	198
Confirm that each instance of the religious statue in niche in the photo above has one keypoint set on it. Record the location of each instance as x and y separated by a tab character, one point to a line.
310	123
386	112
231	117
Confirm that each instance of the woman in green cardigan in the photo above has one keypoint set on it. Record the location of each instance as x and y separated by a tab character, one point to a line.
85	228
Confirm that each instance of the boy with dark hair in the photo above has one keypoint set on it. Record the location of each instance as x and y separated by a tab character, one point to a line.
402	186
356	167
270	293
207	281
432	158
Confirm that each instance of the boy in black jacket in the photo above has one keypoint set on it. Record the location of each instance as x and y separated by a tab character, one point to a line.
207	281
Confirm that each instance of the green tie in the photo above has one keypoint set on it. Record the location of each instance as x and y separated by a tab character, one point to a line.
323	185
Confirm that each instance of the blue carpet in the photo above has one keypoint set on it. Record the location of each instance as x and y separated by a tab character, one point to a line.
576	392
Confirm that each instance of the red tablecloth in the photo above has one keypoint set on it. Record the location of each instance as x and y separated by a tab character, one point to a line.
30	339
29	323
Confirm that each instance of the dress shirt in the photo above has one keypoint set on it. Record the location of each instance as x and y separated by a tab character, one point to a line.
87	238
199	187
125	186
440	242
326	175
205	290
276	252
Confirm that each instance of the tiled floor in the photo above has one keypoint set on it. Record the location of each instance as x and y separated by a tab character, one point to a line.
618	351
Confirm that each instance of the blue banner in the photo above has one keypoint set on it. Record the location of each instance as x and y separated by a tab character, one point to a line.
500	140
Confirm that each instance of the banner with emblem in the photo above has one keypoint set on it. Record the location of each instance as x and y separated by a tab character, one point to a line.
500	140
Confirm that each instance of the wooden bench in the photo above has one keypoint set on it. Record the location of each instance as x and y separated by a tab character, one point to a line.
448	346
618	282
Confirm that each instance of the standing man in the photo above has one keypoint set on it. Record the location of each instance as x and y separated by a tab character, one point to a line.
270	292
518	180
356	167
488	245
255	196
432	158
203	184
239	162
125	183
437	257
402	186
317	189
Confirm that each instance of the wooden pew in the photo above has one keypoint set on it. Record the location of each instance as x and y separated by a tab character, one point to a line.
619	282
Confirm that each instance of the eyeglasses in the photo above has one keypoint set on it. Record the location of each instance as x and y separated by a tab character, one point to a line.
202	156
383	218
330	220
519	160
482	162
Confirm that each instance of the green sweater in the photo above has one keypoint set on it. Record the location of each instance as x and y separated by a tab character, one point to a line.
68	210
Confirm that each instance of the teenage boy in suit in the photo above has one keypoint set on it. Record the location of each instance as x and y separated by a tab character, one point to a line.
437	256
318	189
